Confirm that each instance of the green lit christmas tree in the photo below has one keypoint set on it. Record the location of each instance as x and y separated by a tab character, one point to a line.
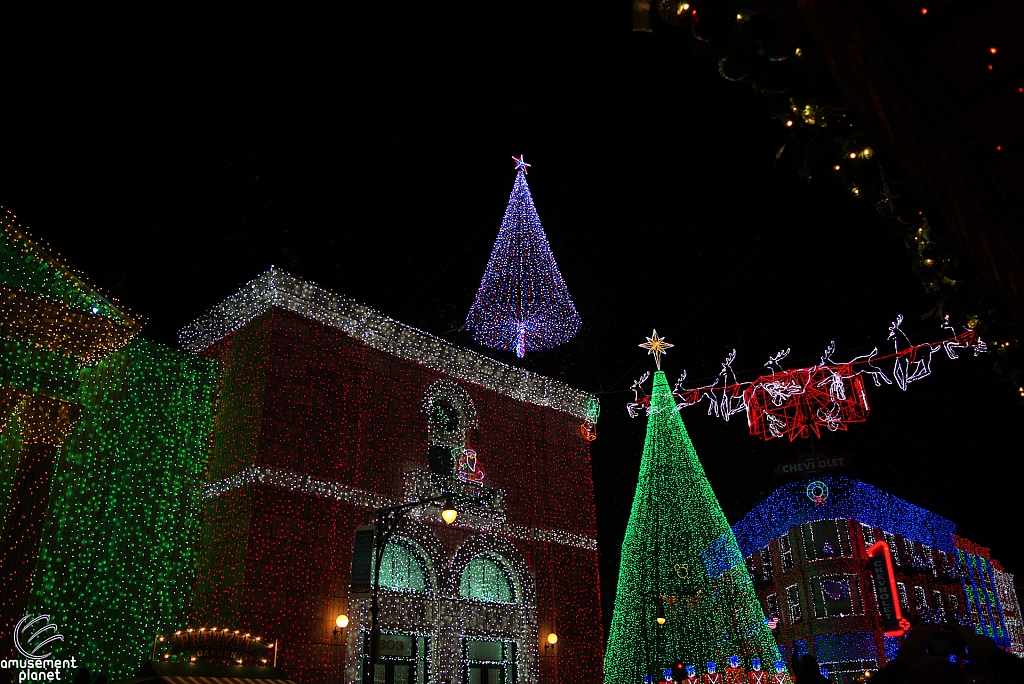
684	593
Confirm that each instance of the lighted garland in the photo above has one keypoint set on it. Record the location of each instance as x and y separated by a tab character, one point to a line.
523	303
275	288
291	481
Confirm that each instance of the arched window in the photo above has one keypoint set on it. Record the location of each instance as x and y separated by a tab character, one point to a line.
485	579
450	412
401	569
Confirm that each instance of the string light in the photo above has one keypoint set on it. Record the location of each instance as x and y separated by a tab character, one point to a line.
680	561
129	471
822	547
324	416
279	289
523	303
795	403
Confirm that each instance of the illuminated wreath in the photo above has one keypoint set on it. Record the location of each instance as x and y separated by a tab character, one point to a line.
817	492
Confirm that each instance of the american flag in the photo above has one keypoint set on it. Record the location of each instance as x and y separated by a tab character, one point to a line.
772	622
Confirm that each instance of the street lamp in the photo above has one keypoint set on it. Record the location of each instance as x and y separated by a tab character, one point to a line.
340	623
387	522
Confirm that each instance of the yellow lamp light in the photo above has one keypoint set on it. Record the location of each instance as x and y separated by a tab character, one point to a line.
341	621
552	638
448	513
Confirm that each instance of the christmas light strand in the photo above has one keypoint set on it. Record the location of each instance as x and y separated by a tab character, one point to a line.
830	395
276	288
305	484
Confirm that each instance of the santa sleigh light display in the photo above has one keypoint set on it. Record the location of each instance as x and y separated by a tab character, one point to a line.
797	402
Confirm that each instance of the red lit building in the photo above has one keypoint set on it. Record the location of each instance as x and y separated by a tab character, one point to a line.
806	549
327	411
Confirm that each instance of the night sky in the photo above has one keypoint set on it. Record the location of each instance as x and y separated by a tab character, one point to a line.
371	153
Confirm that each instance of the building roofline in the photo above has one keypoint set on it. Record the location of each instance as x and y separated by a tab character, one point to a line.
848	499
281	289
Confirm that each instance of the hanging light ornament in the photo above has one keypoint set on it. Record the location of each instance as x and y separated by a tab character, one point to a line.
523	304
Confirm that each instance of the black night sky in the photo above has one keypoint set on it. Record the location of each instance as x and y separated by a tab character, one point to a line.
371	153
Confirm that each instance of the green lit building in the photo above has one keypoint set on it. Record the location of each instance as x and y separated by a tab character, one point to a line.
103	442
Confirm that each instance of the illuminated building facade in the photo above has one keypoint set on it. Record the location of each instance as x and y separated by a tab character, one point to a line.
805	546
103	444
328	411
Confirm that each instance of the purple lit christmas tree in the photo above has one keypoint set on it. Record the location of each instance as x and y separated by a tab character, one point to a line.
522	304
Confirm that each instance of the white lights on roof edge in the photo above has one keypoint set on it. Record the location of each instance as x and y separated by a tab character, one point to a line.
281	289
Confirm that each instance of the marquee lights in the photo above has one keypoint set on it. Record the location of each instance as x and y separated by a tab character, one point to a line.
797	402
276	288
522	304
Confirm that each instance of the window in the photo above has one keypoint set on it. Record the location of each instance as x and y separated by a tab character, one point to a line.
869	534
484	579
766	564
890	539
836	596
401	569
954	604
901	590
825	539
920	600
940	607
793	599
773	605
785	553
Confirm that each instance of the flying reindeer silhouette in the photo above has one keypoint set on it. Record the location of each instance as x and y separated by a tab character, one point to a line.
780	390
965	339
633	408
732	393
689	397
837	389
912	362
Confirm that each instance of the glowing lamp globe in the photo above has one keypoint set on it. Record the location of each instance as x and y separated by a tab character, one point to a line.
341	621
552	638
448	513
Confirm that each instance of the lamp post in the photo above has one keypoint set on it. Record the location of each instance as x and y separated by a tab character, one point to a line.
387	521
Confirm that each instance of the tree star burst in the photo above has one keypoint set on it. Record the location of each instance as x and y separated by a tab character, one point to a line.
521	165
657	346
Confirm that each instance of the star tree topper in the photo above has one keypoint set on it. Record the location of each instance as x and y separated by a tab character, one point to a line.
521	165
657	346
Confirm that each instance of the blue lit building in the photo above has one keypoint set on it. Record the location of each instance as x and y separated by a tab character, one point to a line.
806	549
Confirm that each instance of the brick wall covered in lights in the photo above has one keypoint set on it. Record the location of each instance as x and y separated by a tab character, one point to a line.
315	428
808	561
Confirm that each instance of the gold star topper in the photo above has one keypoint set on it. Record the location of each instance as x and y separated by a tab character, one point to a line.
657	346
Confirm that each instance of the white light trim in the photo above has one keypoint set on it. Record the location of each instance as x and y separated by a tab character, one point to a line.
281	289
328	489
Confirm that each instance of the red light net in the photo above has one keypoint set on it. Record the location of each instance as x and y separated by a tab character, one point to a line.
797	402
